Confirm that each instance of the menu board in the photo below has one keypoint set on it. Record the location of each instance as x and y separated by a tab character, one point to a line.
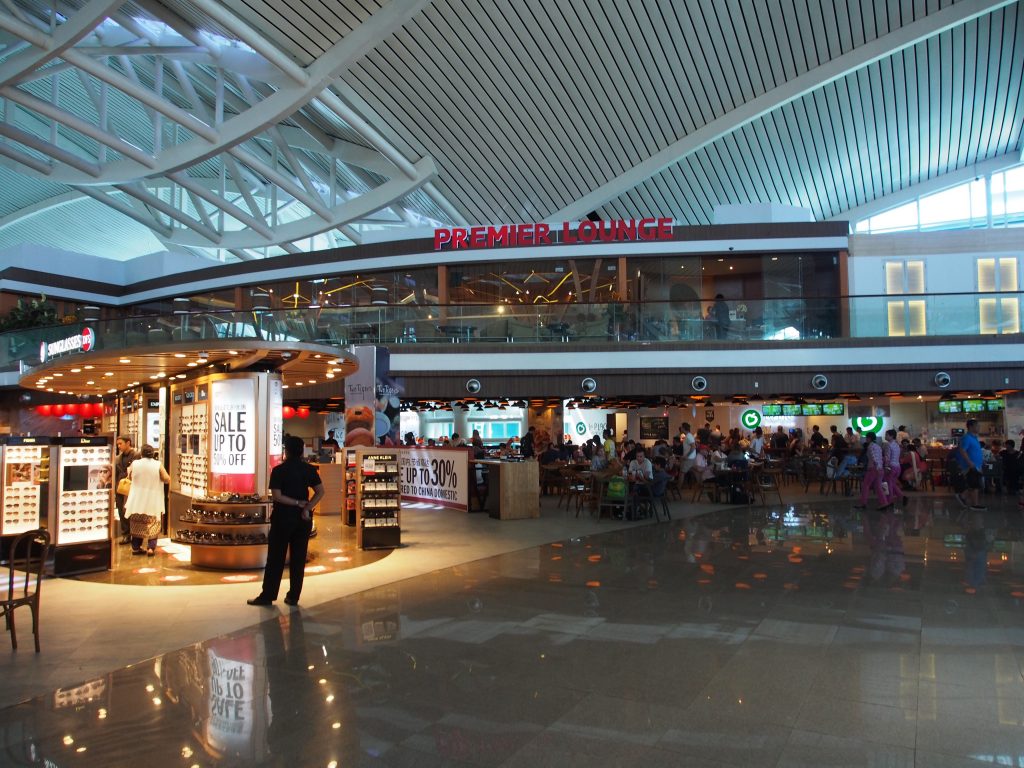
974	406
949	406
772	409
654	427
792	410
995	405
810	409
833	409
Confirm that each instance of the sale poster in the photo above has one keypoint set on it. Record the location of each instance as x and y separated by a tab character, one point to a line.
435	475
233	435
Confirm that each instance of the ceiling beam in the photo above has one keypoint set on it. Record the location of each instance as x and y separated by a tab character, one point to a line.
47	47
344	213
906	36
258	117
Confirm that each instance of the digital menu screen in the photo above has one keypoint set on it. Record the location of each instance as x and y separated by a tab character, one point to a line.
950	406
995	405
974	406
771	410
811	409
792	410
833	409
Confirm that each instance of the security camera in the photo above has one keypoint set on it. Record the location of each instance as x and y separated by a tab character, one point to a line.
698	383
819	381
588	385
942	380
473	386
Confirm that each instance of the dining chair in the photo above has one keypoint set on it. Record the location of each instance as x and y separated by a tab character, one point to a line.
26	561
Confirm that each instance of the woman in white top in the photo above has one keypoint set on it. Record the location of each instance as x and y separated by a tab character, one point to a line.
146	500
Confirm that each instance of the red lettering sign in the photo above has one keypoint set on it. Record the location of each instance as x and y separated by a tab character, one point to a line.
586	231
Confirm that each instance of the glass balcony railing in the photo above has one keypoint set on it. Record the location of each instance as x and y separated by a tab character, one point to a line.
740	323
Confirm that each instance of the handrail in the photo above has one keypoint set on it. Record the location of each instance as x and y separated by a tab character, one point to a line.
741	322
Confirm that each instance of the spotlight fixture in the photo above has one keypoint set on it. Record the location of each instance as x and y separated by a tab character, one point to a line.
203	357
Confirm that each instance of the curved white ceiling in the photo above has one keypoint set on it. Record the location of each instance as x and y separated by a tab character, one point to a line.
250	128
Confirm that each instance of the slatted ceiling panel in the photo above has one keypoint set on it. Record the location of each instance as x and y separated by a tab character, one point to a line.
520	126
1007	112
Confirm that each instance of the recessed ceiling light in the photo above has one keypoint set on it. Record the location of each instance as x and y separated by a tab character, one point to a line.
179	354
284	386
161	375
232	352
76	370
312	381
192	364
329	375
88	367
125	360
108	373
58	374
90	382
111	391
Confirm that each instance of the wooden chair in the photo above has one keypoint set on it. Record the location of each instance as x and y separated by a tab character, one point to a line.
27	559
770	480
709	486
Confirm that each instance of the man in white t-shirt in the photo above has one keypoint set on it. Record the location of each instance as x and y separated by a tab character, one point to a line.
689	449
640	468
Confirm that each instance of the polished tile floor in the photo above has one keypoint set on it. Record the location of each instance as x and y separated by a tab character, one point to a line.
788	636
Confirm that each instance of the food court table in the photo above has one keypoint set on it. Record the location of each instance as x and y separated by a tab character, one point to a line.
513	489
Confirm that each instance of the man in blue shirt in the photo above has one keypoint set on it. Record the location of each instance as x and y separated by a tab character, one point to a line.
968	456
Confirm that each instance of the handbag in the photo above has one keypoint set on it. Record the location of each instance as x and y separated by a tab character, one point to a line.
124	485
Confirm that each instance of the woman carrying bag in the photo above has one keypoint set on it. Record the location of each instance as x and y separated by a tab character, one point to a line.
145	506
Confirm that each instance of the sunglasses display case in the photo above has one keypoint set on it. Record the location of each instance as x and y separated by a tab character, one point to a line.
82	504
25	466
228	532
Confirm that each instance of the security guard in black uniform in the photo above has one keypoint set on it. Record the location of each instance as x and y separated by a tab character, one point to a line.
291	522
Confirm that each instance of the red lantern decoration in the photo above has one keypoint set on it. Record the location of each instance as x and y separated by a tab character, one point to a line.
59	409
287	411
302	412
44	410
72	409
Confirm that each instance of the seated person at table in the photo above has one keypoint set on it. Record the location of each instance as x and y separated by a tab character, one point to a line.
660	479
550	455
701	467
818	441
640	468
598	461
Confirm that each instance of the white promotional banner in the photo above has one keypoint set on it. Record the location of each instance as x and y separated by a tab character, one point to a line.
274	404
435	476
233	427
581	424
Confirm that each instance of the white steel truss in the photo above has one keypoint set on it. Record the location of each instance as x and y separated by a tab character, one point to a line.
211	143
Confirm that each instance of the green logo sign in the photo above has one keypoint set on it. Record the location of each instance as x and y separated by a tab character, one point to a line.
867	424
581	428
750	419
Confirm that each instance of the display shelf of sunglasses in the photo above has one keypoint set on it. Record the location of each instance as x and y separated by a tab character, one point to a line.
226	534
378	499
83	516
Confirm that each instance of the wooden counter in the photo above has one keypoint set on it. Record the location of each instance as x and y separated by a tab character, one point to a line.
333	478
513	489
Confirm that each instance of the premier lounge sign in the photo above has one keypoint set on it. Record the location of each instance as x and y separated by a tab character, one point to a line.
81	342
584	232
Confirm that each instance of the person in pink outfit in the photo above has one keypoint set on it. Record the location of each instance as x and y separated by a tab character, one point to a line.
891	462
874	474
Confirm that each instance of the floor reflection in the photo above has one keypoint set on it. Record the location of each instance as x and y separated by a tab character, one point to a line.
332	549
790	636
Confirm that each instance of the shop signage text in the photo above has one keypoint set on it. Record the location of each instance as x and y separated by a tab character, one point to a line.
586	231
83	341
232	427
435	475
